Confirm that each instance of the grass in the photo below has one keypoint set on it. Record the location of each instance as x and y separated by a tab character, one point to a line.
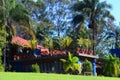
45	76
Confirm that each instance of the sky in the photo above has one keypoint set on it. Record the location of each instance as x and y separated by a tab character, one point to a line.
115	11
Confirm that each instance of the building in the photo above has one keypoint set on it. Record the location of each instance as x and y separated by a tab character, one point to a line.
22	57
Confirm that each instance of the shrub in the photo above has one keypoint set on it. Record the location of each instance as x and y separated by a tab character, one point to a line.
111	67
119	68
71	64
87	66
1	68
1	65
35	68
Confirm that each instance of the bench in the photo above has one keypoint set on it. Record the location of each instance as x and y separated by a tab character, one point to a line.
88	73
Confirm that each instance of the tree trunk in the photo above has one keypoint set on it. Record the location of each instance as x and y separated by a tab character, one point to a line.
94	34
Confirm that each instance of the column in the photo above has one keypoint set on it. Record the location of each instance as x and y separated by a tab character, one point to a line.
94	67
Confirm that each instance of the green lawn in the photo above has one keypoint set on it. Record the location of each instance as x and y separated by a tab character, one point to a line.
44	76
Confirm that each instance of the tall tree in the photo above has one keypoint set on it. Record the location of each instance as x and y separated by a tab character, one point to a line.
14	12
107	39
58	13
41	24
92	12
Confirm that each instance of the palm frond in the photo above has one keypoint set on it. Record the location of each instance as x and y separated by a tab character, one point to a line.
63	60
30	31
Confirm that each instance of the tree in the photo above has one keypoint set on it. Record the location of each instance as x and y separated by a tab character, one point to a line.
44	30
109	38
106	39
13	13
58	13
41	24
3	35
111	67
92	12
71	63
117	38
36	9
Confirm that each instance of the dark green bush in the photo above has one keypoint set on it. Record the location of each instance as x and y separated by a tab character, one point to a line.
111	67
87	66
1	65
35	68
1	68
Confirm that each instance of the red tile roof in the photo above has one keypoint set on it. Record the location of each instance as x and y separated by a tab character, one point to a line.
54	53
45	52
43	49
40	47
20	42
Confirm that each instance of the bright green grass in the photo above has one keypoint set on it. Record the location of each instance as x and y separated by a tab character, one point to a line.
45	76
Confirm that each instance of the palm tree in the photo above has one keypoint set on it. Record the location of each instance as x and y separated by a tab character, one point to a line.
111	67
71	64
92	12
14	12
65	42
48	43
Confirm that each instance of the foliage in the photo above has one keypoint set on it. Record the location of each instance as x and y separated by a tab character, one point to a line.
20	11
71	64
57	43
109	38
85	43
1	65
43	30
105	40
36	9
59	14
35	68
80	37
119	67
94	14
48	43
65	42
117	34
33	44
11	9
111	67
87	66
29	31
3	35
